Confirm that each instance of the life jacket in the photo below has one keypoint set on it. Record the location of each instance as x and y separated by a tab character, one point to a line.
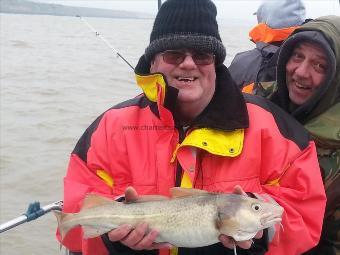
259	64
263	33
237	140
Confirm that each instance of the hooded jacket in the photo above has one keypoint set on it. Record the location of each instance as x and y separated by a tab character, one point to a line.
324	31
320	115
277	19
236	140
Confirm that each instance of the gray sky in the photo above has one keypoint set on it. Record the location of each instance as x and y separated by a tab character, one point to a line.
231	9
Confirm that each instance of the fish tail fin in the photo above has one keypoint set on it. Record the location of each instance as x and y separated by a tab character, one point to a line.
63	228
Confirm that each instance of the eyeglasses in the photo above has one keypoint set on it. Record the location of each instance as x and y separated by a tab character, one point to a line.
176	57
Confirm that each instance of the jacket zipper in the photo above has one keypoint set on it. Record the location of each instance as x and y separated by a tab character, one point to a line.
179	169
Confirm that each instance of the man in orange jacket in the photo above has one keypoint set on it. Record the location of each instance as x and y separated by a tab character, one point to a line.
192	127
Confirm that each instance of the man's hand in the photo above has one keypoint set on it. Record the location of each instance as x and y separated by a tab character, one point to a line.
229	242
140	237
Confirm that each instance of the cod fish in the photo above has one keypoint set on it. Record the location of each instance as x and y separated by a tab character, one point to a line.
191	218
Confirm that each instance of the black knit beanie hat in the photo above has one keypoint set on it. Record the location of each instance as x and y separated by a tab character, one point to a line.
189	24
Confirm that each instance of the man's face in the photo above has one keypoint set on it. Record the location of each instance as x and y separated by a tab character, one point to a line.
305	71
195	81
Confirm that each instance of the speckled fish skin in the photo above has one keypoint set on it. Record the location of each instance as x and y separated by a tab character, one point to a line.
189	221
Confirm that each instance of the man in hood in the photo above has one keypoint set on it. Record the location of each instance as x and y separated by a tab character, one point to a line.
308	87
192	127
277	19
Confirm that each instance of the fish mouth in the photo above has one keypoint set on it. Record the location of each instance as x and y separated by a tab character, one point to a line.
270	219
271	222
266	222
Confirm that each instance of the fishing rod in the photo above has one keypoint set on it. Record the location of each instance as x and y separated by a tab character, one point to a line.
105	41
33	212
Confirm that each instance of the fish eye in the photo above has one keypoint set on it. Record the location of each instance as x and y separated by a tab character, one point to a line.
256	207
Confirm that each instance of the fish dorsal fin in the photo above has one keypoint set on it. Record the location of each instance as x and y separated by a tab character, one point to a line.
132	197
93	200
186	192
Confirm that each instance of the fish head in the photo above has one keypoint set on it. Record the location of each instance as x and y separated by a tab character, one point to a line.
241	217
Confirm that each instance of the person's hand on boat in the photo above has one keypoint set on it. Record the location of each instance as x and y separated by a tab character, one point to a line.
228	241
140	237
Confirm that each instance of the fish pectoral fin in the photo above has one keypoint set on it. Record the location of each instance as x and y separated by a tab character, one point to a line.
90	232
187	192
93	200
227	226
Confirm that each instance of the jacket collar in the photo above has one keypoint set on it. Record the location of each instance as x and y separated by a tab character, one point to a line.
227	110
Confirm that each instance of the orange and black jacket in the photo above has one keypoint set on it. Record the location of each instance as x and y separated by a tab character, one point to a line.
259	64
237	140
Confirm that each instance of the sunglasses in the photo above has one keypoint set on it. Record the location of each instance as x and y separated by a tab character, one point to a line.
176	57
